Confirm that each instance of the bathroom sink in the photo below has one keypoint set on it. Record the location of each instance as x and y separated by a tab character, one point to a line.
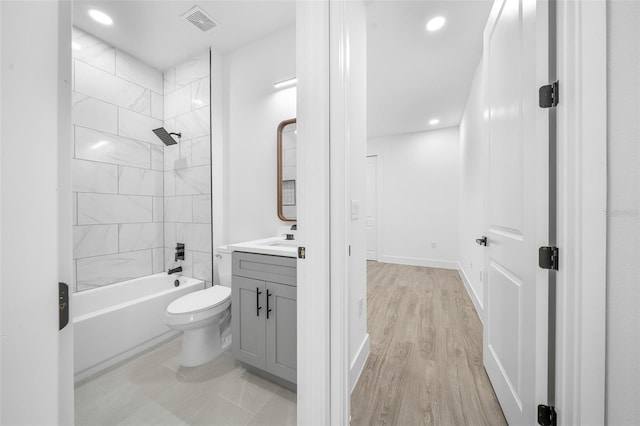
276	246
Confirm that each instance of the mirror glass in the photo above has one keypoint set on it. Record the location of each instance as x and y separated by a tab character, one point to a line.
287	170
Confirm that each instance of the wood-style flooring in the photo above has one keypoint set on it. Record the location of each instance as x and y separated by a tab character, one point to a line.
425	362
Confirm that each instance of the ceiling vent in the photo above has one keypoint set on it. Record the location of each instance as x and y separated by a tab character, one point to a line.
200	19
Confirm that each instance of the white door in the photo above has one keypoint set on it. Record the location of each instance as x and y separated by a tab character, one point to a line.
515	315
372	207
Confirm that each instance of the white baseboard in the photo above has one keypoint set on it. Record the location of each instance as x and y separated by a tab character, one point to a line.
477	303
416	261
357	365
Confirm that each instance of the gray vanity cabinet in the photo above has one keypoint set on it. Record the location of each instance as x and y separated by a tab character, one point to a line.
263	313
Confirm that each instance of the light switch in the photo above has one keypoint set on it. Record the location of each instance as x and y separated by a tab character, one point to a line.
355	209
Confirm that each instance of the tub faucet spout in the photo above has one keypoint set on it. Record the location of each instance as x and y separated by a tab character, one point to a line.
174	270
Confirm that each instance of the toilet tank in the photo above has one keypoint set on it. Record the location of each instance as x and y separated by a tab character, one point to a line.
223	258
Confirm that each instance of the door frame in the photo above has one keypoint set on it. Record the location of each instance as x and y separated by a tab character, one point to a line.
582	204
378	209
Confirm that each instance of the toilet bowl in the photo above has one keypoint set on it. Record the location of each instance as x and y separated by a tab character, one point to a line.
204	317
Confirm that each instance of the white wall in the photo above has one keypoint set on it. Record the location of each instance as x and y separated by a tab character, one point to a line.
473	157
623	247
418	185
254	108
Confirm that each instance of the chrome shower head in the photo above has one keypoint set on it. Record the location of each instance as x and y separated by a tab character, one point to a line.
165	136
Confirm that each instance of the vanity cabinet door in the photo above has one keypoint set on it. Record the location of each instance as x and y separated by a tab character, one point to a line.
248	313
282	331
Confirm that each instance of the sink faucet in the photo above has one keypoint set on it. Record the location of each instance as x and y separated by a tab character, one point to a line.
174	270
294	227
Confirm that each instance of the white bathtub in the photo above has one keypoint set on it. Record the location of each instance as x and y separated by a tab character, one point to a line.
114	322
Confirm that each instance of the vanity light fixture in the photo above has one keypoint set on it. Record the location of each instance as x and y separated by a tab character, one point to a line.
436	23
286	83
100	17
434	121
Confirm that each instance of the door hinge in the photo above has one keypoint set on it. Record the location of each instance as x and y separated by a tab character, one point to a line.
548	257
549	95
547	415
301	252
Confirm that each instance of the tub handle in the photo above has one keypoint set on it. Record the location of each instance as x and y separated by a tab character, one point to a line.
258	307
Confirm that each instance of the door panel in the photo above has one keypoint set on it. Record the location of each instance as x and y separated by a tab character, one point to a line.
248	324
516	217
282	331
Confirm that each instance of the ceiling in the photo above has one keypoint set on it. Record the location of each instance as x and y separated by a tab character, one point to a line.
153	31
415	75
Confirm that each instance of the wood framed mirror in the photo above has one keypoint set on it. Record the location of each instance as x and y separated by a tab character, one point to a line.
287	209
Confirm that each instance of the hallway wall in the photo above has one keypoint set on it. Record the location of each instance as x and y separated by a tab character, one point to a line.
418	185
623	246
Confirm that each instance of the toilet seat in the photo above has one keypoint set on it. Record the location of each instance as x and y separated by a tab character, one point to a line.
199	301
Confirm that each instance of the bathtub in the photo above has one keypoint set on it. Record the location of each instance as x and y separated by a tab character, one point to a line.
114	322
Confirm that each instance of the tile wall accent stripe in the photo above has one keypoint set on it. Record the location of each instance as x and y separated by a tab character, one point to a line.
139	236
108	148
90	176
138	126
93	113
108	209
99	84
137	72
113	268
134	181
92	51
94	240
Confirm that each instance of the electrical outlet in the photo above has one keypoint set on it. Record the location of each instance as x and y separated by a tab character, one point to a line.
361	306
481	276
470	265
434	244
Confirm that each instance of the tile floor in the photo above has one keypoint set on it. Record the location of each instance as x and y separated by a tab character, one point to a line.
153	389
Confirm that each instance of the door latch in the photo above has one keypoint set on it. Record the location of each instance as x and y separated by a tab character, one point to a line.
63	305
482	241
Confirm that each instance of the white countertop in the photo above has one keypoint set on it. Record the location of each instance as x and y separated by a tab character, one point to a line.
275	246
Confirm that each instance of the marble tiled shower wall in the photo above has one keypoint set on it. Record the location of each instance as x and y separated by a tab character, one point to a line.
187	167
119	179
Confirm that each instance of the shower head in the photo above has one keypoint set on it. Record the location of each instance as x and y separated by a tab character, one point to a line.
165	136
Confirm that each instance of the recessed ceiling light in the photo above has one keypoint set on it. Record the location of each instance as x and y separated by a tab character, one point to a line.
434	121
286	83
100	17
436	23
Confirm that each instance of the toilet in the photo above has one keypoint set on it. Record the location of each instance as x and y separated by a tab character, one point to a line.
204	317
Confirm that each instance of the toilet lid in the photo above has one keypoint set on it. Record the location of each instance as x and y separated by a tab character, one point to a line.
200	300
